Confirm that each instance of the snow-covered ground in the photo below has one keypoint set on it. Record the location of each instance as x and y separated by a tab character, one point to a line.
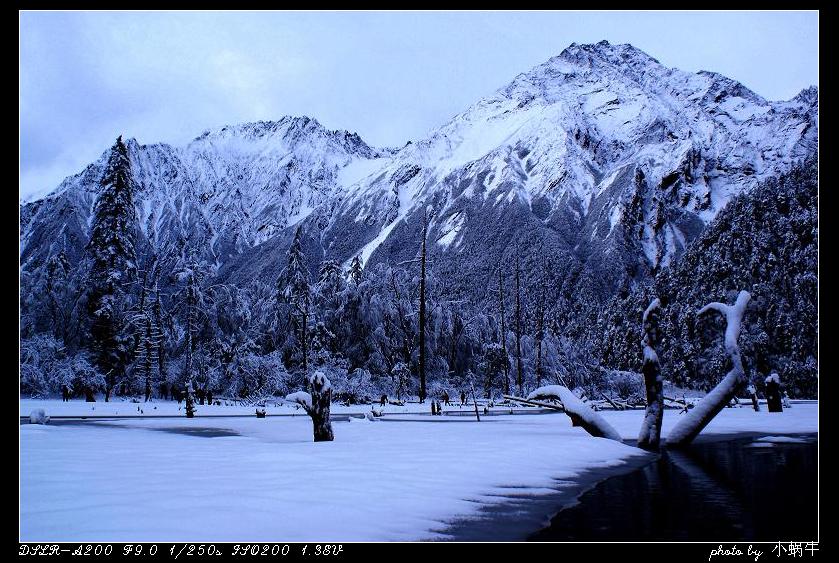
124	408
248	479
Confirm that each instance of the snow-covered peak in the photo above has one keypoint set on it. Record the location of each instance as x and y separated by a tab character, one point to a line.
809	95
584	124
288	132
601	140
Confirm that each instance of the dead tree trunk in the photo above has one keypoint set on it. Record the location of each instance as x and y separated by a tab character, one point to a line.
773	394
317	403
321	391
519	367
649	437
191	328
753	396
540	335
422	391
503	333
692	424
475	401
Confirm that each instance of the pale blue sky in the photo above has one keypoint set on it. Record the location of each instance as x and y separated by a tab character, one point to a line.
86	77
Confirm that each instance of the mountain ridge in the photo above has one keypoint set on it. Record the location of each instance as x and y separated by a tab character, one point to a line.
601	153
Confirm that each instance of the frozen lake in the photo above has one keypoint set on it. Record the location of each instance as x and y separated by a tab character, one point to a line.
406	477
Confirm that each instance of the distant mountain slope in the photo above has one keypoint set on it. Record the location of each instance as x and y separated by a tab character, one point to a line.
601	163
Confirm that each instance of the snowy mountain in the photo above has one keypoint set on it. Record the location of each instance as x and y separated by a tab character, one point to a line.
228	190
600	165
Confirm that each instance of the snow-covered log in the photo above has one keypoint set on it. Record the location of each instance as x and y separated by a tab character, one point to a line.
692	424
317	404
650	434
581	414
534	403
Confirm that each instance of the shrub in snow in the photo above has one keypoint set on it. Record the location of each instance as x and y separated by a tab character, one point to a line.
38	416
256	377
45	368
401	375
628	385
351	388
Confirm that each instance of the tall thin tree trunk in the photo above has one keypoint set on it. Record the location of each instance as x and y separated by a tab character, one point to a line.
422	392
304	343
190	312
147	363
161	345
475	401
503	333
519	375
540	334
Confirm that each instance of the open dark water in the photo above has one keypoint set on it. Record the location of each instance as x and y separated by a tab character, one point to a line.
732	490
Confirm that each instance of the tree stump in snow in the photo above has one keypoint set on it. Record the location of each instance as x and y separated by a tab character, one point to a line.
321	391
317	404
773	394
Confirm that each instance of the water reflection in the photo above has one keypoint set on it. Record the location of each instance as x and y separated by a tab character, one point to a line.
714	491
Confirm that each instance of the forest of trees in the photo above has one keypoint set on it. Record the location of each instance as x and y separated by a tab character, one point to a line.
132	321
765	241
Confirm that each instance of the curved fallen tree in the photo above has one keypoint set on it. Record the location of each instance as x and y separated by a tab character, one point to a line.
581	414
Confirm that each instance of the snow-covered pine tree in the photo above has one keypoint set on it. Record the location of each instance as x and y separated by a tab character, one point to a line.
494	364
330	293
56	285
650	434
194	306
295	290
111	267
147	331
356	270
